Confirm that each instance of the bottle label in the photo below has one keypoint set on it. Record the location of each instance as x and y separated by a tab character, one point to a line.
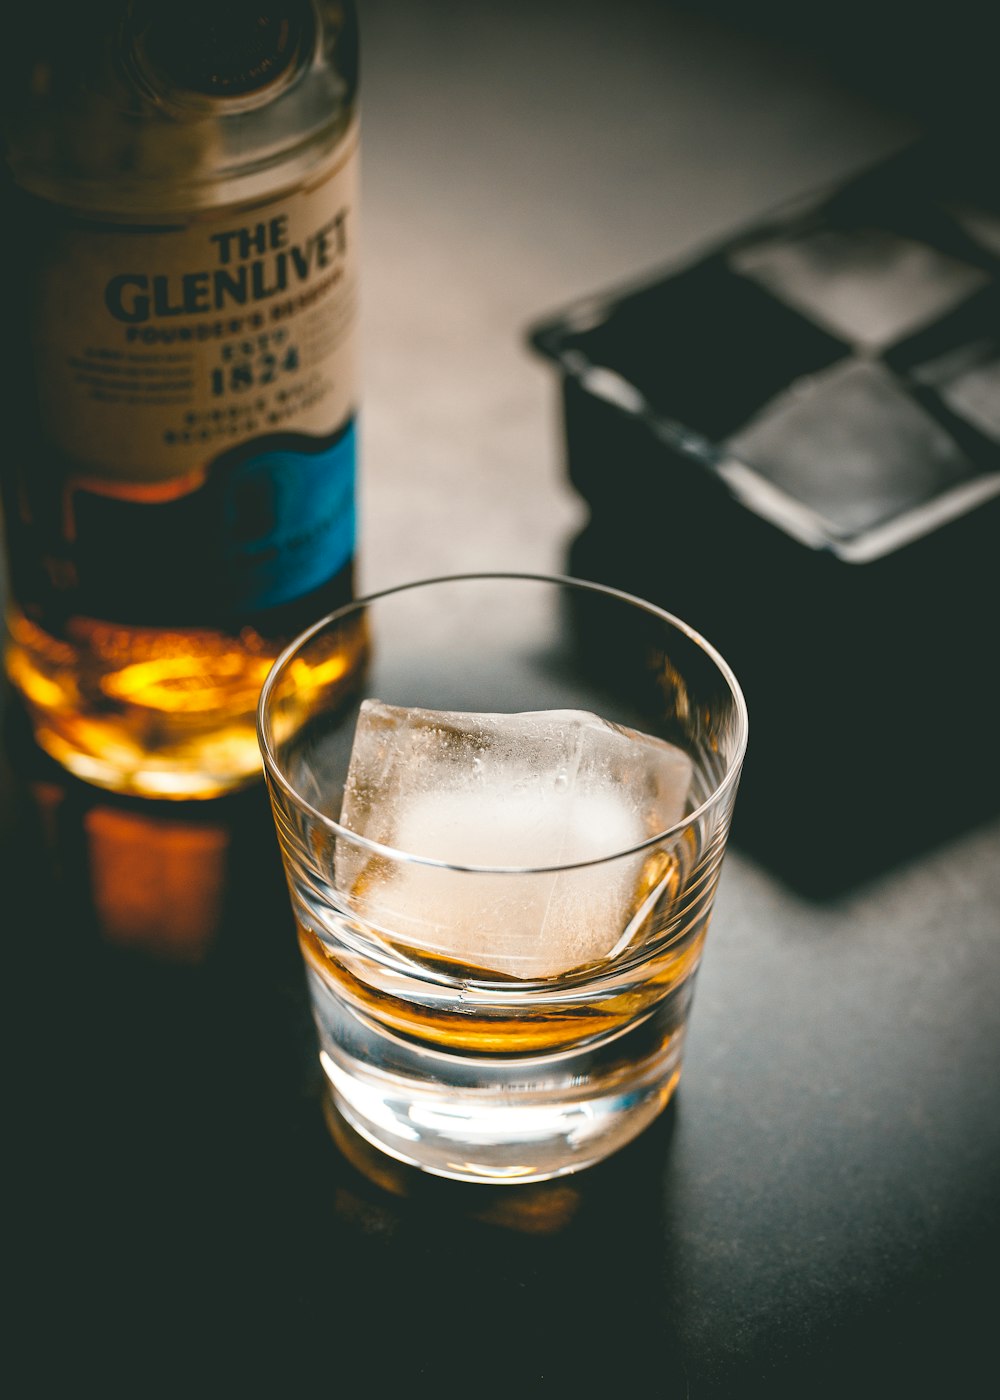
272	523
196	387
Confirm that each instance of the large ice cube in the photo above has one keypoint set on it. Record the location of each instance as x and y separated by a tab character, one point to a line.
504	790
867	284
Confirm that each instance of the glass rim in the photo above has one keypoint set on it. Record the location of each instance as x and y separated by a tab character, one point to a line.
275	774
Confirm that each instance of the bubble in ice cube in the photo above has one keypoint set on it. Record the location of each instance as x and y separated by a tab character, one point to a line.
853	446
513	791
869	285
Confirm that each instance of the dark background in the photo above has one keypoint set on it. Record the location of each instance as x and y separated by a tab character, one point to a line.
932	60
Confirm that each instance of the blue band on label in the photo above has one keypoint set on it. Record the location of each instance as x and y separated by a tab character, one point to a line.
266	528
288	521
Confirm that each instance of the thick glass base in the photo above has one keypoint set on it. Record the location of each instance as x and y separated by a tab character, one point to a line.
501	1120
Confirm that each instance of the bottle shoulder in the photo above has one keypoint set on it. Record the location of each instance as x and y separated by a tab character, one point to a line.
125	121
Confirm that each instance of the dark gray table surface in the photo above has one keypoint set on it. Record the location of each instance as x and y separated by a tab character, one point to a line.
818	1211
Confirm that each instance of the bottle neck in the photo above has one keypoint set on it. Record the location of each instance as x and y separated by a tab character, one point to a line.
160	113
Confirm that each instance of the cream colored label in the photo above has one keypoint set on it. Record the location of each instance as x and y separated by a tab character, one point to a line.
157	350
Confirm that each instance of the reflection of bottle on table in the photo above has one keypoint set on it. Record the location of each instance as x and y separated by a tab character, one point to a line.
179	882
180	497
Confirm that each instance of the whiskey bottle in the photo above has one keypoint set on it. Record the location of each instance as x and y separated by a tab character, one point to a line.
180	230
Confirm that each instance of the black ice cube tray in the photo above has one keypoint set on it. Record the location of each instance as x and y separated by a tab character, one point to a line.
792	441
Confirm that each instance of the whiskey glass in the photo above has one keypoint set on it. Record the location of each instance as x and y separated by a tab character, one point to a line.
490	1016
